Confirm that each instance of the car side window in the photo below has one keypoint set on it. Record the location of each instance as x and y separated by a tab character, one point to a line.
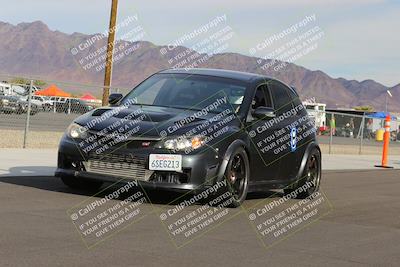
295	97
262	98
280	95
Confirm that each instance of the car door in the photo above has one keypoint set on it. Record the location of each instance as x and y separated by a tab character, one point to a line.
264	163
285	108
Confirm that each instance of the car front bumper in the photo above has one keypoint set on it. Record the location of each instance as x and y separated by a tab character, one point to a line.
200	170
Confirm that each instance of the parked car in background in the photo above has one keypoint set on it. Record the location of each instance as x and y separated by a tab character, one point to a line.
72	105
13	104
5	88
45	103
57	99
34	100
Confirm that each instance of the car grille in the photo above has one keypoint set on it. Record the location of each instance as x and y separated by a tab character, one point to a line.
124	166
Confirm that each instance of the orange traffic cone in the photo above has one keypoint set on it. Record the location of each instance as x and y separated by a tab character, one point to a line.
386	140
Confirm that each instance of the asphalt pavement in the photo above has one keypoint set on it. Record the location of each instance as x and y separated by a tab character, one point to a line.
361	228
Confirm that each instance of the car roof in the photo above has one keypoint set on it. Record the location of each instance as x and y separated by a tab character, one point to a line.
231	74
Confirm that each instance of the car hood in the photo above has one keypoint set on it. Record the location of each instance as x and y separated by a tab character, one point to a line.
149	121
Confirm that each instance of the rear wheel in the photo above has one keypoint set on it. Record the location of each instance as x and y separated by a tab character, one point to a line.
237	176
311	177
81	184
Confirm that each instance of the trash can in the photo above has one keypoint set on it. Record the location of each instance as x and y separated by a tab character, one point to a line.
379	135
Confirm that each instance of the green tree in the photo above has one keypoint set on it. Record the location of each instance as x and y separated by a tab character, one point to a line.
39	83
24	81
20	81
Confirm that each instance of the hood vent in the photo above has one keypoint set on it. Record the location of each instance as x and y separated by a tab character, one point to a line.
99	112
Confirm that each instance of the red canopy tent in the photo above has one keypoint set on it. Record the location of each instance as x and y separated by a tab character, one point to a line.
88	97
52	90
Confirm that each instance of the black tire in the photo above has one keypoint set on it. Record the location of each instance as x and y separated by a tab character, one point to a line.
47	108
237	175
311	173
81	184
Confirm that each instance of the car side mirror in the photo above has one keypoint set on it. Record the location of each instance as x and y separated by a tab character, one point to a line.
264	113
114	98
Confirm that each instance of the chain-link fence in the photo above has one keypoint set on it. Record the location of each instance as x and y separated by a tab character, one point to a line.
356	134
36	116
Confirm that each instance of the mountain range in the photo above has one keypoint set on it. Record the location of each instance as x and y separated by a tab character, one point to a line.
32	49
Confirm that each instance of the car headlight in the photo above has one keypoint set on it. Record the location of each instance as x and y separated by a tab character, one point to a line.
184	143
77	131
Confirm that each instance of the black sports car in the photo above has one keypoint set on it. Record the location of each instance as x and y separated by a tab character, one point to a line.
189	130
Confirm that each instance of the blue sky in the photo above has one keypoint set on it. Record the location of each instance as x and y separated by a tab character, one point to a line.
361	39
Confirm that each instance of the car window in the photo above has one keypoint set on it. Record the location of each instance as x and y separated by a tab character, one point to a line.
262	98
280	95
294	96
148	96
194	92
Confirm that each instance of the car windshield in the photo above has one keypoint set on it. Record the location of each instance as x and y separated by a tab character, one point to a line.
189	92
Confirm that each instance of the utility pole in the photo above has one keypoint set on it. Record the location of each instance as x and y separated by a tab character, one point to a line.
110	52
386	100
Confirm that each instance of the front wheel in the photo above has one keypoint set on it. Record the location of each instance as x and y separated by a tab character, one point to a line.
237	176
81	184
310	179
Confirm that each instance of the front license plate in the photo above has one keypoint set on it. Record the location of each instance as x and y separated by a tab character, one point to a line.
165	162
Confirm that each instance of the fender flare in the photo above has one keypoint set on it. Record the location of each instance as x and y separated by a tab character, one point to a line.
307	152
229	151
